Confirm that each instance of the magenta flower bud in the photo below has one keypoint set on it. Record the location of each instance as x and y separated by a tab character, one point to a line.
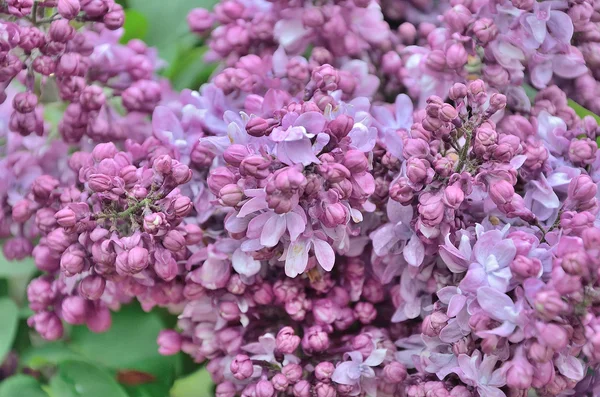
182	206
263	295
235	154
98	319
453	196
289	179
92	98
447	113
280	382
341	126
43	186
315	340
334	172
301	389
58	240
229	310
22	211
364	344
230	195
540	353
324	370
326	78
582	189
115	18
456	56
200	20
165	265
287	341
40	294
416	147
74	310
335	214
407	33
391	62
497	103
394	372
133	261
25	102
436	60
255	166
418	170
174	241
241	367
68	8
552	335
47	324
550	304
458	91
225	389
526	267
46	259
485	30
257	127
365	312
96	8
583	151
61	31
66	217
520	373
313	17
181	173
17	248
501	192
264	388
355	161
458	17
401	191
92	287
72	260
99	183
169	342
44	220
163	165
293	372
324	390
433	324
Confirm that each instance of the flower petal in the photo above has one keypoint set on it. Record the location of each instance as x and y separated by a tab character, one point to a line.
324	253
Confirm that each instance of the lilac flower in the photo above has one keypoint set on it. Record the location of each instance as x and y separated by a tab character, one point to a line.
264	350
388	123
480	373
358	373
500	307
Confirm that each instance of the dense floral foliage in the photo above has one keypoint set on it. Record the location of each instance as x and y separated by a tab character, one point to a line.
362	201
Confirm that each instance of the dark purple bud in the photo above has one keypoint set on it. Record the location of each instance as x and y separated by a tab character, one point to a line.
69	8
47	324
72	260
133	261
74	310
44	65
25	102
257	127
182	206
61	31
96	8
43	186
92	98
40	294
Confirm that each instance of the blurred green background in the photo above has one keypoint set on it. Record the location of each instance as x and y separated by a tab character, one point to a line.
123	362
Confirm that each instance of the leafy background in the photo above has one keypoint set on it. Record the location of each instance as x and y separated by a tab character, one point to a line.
123	362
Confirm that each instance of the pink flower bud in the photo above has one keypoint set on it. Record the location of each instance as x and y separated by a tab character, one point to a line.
456	56
22	211
68	8
169	342
174	241
280	382
301	389
334	172
501	192
46	259
74	310
418	171
241	367
99	182
458	17
92	287
235	154
183	206
526	267
582	189
334	214
552	335
326	78
341	126
431	209
293	372
72	260
255	166
181	174
287	341
264	388
225	389
257	127
98	319
230	195
315	340
133	261
391	62
324	370
394	372
66	217
324	390
582	151
229	310
43	186
453	196
365	312
355	161
550	304
47	324
200	20
520	372
115	18
485	30
25	102
165	265
40	294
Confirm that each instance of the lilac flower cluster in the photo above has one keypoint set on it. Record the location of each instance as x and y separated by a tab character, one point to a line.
361	202
103	89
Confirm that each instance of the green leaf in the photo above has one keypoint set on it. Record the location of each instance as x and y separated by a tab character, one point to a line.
189	70
130	340
82	379
196	384
16	268
166	25
9	319
136	26
163	370
21	386
48	354
581	111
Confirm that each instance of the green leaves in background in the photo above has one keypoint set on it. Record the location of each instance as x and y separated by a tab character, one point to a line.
15	268
9	318
196	384
80	378
136	26
21	386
